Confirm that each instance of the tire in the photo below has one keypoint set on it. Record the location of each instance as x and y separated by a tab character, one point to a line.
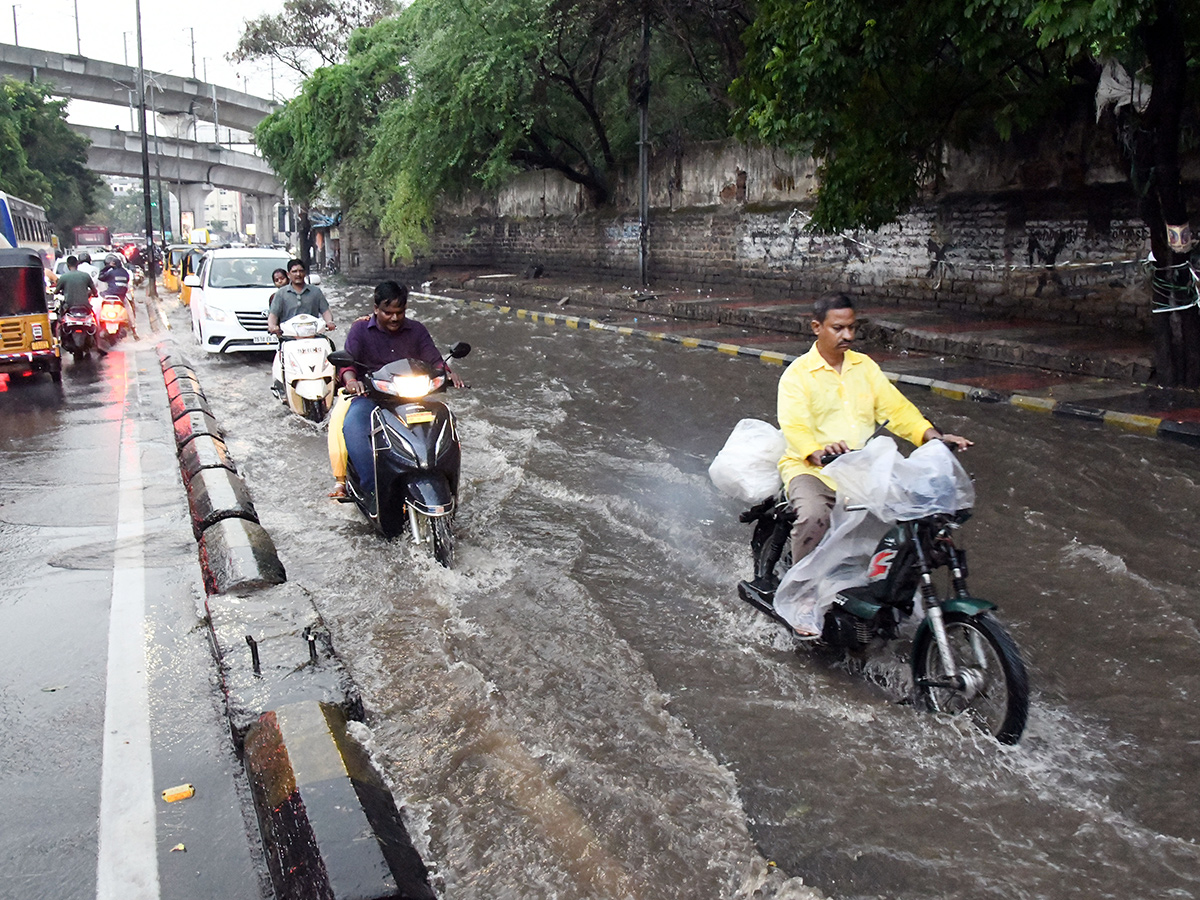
56	375
314	410
77	355
442	542
981	645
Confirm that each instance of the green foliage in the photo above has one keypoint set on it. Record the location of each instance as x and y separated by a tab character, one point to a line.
446	97
878	95
41	159
308	30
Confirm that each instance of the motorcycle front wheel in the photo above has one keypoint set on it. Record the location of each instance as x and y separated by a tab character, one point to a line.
997	694
436	533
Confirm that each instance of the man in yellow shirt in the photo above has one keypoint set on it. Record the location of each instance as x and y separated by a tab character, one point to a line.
830	400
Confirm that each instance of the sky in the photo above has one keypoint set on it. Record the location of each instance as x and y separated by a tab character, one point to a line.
108	30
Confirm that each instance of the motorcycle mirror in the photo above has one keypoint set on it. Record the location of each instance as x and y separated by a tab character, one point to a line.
341	359
459	350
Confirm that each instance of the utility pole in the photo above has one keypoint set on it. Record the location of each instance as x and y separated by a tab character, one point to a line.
78	45
152	285
193	31
16	40
644	152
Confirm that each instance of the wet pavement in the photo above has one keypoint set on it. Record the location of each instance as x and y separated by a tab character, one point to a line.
1089	373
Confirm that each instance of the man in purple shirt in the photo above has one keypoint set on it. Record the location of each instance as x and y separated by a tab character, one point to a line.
375	341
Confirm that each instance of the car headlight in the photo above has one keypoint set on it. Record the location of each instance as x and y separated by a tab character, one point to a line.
215	314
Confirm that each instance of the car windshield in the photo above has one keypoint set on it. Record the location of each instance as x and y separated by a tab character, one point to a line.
246	271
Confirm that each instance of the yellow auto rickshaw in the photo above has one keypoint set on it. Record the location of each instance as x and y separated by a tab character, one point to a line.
183	260
27	343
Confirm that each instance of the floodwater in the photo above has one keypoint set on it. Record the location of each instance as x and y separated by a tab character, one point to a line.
582	707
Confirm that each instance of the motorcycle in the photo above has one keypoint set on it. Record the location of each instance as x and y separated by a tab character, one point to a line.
963	661
77	331
415	454
113	317
302	377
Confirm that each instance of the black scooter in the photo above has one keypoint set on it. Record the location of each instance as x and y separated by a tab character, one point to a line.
77	331
416	453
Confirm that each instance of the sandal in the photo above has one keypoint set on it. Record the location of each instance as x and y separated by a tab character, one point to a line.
339	492
805	635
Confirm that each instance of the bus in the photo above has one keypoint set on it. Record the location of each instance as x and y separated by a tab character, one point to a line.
23	224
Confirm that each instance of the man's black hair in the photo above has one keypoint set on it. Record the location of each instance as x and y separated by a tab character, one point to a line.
387	291
829	301
297	262
72	262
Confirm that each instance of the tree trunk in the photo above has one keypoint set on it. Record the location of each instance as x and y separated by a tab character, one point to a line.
1156	155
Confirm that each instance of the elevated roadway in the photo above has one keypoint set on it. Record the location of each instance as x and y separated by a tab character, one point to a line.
83	78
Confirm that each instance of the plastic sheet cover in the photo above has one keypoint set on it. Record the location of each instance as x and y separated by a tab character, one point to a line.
883	488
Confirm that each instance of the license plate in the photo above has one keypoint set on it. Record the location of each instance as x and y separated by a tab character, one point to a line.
40	345
418	417
266	339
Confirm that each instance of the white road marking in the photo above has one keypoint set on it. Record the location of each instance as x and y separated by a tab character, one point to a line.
127	868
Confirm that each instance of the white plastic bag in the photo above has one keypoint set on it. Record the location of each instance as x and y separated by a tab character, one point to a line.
747	468
890	488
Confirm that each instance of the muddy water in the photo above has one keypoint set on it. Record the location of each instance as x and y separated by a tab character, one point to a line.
582	708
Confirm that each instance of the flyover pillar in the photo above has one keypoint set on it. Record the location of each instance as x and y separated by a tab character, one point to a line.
192	197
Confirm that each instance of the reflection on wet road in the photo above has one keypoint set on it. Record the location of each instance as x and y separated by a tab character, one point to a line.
582	707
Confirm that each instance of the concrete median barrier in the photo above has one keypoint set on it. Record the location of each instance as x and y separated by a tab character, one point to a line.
238	554
188	401
204	451
181	384
193	423
328	820
216	494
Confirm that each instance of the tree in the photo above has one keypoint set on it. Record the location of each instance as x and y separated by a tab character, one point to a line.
878	99
308	32
41	159
444	97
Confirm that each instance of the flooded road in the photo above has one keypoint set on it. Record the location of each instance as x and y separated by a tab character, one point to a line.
583	708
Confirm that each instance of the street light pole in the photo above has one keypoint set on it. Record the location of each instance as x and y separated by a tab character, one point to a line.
152	286
78	45
16	40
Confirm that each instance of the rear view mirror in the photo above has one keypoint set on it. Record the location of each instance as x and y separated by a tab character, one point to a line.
341	359
192	281
459	350
314	279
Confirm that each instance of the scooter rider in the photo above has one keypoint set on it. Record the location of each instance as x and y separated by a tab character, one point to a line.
297	297
375	341
115	278
830	400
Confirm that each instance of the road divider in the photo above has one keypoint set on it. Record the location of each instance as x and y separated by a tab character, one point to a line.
329	824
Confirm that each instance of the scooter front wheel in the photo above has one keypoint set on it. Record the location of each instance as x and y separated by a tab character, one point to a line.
437	533
314	410
992	688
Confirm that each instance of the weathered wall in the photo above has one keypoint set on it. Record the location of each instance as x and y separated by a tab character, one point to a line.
1014	236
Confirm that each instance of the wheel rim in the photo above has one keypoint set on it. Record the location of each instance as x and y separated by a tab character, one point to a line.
986	699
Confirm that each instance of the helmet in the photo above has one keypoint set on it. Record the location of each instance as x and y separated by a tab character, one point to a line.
112	260
85	257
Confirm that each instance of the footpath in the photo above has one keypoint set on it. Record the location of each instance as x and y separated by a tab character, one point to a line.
1068	370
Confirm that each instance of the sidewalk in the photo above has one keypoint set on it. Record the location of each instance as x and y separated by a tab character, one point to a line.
1069	370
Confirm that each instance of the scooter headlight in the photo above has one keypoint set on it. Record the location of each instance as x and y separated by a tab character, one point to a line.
408	387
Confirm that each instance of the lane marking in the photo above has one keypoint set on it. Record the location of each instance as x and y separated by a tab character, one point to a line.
127	866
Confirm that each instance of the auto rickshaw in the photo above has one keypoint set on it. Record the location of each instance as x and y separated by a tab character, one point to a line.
27	342
182	260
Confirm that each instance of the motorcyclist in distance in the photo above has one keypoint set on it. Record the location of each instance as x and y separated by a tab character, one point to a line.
114	280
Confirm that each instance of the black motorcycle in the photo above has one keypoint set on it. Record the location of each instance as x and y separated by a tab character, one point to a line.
416	453
77	331
963	660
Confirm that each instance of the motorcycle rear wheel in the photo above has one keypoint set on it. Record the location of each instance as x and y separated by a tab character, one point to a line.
983	649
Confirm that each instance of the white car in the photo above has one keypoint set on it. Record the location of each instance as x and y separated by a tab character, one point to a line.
231	293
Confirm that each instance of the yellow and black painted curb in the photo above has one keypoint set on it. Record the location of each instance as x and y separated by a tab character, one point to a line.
1187	432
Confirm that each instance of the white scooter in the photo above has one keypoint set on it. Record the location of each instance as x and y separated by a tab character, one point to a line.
302	376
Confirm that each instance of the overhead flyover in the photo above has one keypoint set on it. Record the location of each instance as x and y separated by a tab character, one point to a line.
115	152
82	78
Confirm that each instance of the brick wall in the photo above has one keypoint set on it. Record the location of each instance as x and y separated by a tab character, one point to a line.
1057	253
